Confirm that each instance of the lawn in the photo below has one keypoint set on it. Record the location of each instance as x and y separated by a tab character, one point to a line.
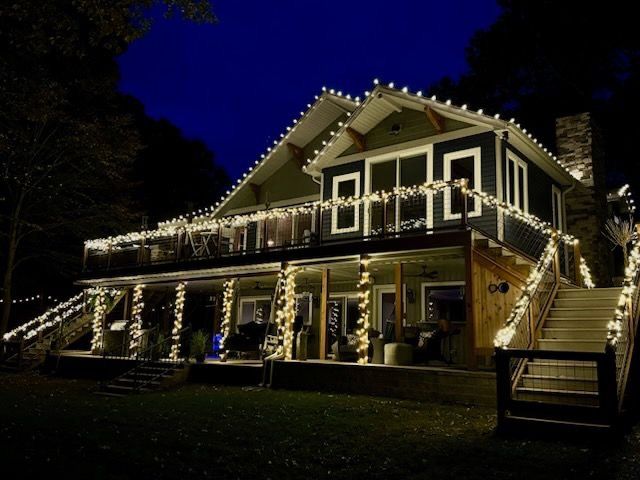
51	426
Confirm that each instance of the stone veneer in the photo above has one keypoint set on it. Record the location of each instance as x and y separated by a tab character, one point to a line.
579	148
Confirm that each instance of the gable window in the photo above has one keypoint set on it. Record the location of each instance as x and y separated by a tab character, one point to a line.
385	173
517	182
457	165
556	208
345	219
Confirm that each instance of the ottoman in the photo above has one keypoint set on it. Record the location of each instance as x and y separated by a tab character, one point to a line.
398	354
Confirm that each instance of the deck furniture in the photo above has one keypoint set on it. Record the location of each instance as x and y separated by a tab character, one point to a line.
398	354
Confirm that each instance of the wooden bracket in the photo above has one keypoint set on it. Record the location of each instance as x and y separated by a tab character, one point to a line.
255	188
297	153
358	139
435	118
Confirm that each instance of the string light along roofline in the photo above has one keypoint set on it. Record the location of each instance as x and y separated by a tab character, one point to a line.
494	120
325	94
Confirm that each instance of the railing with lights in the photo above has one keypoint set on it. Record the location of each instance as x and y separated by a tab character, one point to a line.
405	211
622	328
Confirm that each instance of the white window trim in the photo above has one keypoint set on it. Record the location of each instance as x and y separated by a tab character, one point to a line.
518	164
334	211
427	150
309	295
423	298
250	300
555	191
448	158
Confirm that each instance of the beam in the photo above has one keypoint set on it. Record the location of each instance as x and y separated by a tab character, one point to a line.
324	313
255	188
435	118
358	139
397	270
472	361
297	153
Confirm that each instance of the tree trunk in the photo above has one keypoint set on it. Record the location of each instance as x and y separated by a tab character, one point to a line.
7	278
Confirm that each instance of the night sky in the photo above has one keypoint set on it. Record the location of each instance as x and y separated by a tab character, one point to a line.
237	84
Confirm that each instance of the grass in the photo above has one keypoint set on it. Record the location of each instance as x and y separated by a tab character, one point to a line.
56	426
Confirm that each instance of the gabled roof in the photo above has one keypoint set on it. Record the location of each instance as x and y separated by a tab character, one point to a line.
384	100
327	107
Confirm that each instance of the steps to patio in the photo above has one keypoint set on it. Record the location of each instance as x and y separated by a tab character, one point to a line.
577	322
502	256
145	378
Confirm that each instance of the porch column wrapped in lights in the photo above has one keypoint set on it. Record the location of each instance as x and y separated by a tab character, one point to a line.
286	312
363	306
136	319
99	310
227	304
177	322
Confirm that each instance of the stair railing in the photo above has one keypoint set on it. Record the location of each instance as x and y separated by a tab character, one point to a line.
622	328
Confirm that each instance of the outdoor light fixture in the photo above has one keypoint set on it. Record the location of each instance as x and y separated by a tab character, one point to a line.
502	287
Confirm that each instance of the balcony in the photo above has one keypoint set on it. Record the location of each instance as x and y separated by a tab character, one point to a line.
407	212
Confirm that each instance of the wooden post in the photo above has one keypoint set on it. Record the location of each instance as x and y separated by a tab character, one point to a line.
85	257
178	246
472	361
556	262
399	301
319	225
577	256
324	312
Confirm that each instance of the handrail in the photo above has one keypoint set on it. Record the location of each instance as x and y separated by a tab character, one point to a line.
547	264
622	328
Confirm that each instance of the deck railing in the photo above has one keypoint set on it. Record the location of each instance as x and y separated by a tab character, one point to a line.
405	211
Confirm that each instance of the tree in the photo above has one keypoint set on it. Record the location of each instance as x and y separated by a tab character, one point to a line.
66	146
543	59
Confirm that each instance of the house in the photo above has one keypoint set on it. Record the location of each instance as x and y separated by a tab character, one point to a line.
393	230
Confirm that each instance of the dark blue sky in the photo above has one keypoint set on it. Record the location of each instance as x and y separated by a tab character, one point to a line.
237	84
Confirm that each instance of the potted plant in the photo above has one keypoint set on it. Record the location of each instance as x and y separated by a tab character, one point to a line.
198	347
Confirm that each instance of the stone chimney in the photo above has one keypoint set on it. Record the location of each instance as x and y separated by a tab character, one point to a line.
579	147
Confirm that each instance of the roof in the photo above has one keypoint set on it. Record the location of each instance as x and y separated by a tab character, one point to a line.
327	107
384	100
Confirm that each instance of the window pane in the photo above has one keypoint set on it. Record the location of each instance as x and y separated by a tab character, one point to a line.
302	309
247	312
511	183
383	176
413	171
462	168
347	188
521	182
444	303
334	323
263	310
352	315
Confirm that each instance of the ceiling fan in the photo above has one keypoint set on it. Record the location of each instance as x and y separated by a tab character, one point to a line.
425	274
260	287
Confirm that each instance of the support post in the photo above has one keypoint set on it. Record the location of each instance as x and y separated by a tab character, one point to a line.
472	361
577	257
324	312
399	301
464	217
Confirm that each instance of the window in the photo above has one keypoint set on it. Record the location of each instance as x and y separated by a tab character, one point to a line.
391	171
556	208
254	309
343	315
304	307
462	164
443	302
345	219
517	182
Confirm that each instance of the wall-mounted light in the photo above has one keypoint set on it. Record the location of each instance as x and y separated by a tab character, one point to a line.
502	287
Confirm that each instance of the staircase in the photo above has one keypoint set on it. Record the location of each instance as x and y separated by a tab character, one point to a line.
146	377
501	256
26	346
577	322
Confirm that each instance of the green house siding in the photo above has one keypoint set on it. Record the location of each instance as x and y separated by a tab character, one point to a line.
413	125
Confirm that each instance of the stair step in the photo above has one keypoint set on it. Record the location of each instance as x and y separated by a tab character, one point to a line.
561	368
585	292
109	394
133	380
547	382
575	322
564	397
572	345
575	333
589	312
586	302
